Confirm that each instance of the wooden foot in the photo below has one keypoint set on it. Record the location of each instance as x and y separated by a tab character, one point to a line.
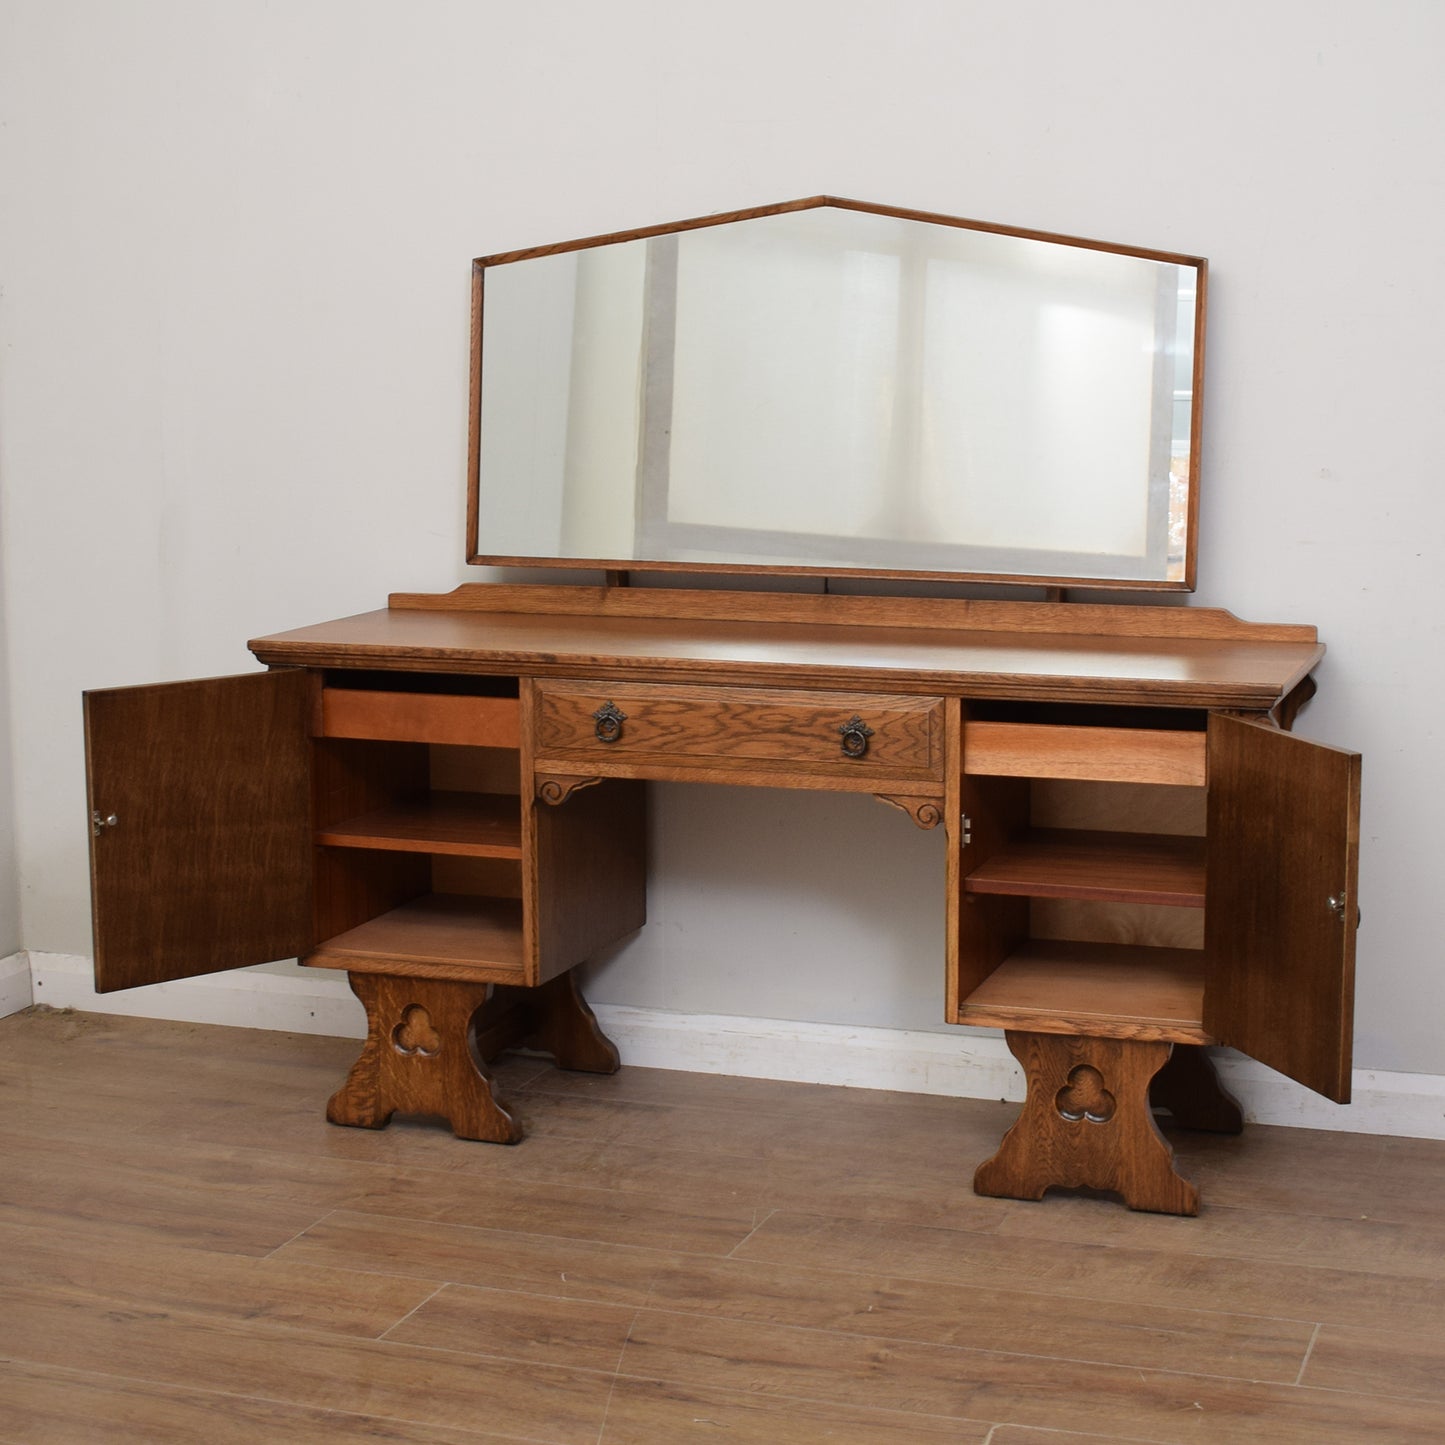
553	1018
1188	1087
421	1057
1087	1124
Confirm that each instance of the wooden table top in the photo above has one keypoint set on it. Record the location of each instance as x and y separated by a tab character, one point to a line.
1001	651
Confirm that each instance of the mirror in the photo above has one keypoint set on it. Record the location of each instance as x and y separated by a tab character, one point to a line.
839	388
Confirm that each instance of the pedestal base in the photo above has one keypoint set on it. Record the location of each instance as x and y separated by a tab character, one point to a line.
429	1042
1087	1123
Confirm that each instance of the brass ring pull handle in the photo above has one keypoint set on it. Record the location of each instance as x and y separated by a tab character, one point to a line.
609	719
855	737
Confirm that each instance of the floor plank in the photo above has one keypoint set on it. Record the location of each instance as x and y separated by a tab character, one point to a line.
1156	1276
129	1267
1390	1362
820	1365
303	1368
656	1412
580	1269
189	1251
587	1336
42	1406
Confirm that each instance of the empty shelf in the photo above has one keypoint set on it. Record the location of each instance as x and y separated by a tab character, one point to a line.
472	825
1108	990
1105	867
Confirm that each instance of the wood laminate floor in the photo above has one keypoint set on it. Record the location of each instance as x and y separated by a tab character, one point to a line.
189	1252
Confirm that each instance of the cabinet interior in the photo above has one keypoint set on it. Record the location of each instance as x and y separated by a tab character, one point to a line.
1082	880
418	835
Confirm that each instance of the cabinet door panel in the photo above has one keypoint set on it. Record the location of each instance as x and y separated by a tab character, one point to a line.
1279	931
207	865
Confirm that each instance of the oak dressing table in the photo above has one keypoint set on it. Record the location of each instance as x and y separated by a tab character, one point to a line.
446	799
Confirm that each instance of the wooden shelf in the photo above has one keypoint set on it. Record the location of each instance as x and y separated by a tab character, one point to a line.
1107	990
470	825
440	935
1104	867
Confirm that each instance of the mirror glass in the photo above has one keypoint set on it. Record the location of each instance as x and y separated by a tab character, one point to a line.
837	388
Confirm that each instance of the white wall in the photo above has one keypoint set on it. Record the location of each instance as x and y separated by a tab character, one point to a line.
235	244
9	864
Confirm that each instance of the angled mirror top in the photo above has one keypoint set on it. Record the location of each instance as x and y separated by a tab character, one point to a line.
837	388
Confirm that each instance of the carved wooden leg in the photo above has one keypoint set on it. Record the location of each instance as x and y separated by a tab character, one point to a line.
1087	1123
553	1018
1188	1087
421	1057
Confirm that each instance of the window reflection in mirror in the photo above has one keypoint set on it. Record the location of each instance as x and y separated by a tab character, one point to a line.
841	390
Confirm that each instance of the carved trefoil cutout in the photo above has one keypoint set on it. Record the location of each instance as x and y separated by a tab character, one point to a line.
415	1034
1085	1097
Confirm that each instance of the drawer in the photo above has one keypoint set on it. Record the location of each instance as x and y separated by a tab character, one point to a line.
1104	754
771	735
420	717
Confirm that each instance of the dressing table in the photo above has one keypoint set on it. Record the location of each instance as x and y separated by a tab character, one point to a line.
446	798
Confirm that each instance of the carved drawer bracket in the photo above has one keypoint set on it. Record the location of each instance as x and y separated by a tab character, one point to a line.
925	812
557	789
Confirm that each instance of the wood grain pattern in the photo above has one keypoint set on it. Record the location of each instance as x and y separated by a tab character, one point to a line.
1086	1123
421	1057
1116	755
208	864
1109	990
984	929
1395	1362
1284	837
1108	867
590	859
44	1405
419	717
468	825
803	1265
753	730
353	885
564	1332
553	1019
442	936
584	862
350	777
1136	1259
952	614
859	653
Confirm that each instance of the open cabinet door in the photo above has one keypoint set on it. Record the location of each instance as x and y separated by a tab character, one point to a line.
1279	928
200	849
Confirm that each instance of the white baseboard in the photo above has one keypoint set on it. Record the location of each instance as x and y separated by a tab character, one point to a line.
279	996
14	984
971	1065
961	1063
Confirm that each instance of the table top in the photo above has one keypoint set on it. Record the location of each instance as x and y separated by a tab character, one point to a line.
1042	652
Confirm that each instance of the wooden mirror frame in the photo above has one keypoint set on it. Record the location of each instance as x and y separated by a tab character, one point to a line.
624	565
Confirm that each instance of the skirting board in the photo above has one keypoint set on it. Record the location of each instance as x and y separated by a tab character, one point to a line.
960	1063
15	991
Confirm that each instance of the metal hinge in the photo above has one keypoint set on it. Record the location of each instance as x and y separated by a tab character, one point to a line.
966	831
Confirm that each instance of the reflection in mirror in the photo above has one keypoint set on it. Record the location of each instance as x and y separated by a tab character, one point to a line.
835	388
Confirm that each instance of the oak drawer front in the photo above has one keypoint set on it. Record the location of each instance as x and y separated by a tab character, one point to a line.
832	735
420	717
